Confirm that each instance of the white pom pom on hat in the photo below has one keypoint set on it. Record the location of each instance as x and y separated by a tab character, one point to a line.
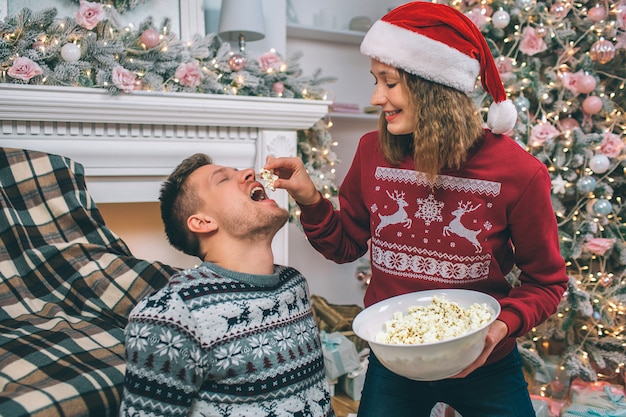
440	44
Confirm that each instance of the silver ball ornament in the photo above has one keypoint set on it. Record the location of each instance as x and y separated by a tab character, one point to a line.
521	103
602	207
586	184
500	19
70	52
599	163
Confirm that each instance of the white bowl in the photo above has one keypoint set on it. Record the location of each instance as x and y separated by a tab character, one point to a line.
426	361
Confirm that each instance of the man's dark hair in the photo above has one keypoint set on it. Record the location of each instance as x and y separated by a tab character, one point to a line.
179	201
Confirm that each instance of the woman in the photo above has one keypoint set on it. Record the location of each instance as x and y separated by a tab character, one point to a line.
444	203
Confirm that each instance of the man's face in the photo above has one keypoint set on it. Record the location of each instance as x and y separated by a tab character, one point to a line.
237	202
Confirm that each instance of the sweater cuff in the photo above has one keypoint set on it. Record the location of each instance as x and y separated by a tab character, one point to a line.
313	214
513	322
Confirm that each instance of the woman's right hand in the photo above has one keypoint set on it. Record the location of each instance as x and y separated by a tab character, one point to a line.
293	178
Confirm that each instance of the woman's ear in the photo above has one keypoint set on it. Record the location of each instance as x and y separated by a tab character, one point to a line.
201	223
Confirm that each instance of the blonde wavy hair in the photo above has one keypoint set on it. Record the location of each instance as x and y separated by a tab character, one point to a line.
447	124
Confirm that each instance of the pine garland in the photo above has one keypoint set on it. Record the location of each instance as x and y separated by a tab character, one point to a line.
120	5
100	53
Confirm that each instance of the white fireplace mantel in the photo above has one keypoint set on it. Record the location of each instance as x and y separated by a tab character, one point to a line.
129	143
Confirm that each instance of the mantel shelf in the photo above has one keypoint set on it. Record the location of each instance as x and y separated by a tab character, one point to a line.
129	143
76	104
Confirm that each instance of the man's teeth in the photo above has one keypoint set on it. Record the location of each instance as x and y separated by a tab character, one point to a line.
257	194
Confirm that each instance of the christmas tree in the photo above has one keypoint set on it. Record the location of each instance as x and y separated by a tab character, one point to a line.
563	64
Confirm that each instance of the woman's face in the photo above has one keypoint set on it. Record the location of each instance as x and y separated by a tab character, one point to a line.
389	94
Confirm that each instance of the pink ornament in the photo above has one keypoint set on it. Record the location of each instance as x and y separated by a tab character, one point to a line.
237	62
592	104
278	87
597	13
586	84
150	38
602	51
568	124
559	9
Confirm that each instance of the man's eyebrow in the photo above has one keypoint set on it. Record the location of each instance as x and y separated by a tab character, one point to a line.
221	170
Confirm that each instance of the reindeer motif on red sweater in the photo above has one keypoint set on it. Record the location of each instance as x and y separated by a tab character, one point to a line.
457	227
400	216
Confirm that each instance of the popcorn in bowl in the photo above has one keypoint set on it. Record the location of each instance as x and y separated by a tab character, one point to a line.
427	361
440	320
268	177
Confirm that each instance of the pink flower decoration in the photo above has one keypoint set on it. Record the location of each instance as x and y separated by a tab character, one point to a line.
541	133
531	42
621	41
123	79
90	14
611	145
598	245
270	60
189	74
621	15
24	69
570	81
478	16
504	64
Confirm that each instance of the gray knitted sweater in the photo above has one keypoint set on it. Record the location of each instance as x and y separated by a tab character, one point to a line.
215	342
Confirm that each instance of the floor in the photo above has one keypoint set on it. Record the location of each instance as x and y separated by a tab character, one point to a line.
343	405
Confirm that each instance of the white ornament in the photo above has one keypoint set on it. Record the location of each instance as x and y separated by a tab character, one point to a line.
558	185
599	163
70	52
500	19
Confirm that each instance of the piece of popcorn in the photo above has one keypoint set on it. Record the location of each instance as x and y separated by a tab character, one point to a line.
440	320
268	177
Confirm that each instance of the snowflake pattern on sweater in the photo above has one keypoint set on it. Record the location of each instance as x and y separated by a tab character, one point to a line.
215	342
456	227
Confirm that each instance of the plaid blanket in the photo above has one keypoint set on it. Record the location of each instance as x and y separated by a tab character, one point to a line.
67	284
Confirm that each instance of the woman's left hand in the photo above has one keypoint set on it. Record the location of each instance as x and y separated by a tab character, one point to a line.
497	331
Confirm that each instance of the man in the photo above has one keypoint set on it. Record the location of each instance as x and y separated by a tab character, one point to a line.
234	336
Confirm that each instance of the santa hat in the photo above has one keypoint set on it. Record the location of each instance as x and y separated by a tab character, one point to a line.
440	44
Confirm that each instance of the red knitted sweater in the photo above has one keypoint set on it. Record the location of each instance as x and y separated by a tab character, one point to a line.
465	232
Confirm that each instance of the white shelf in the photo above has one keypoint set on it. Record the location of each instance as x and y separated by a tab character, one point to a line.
352	37
354	116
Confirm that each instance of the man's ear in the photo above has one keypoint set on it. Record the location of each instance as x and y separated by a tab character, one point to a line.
201	223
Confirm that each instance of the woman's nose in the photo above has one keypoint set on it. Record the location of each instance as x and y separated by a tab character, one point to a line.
378	98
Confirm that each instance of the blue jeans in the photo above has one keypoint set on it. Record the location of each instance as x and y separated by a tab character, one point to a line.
494	390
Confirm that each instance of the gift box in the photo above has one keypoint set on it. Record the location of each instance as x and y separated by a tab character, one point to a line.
600	394
554	406
332	383
541	407
340	355
337	318
443	410
352	382
581	410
